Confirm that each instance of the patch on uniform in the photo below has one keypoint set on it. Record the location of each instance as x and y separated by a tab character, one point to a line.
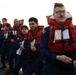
44	31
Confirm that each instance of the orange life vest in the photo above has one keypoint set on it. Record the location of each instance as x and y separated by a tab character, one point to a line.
35	35
62	45
22	38
17	28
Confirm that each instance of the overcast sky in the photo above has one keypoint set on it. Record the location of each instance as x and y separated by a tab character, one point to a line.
24	9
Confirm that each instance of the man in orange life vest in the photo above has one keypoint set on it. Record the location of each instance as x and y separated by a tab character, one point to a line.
1	31
5	45
17	26
58	43
32	44
13	36
21	54
4	21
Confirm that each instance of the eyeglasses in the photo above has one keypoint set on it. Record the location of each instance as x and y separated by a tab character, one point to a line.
60	12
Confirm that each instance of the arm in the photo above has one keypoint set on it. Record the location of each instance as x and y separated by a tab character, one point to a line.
17	44
1	38
74	58
48	54
44	46
27	44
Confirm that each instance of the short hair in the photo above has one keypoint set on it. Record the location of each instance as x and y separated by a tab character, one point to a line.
4	19
33	19
58	5
24	26
15	19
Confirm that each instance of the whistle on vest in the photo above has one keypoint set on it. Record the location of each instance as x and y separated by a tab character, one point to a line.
57	35
32	43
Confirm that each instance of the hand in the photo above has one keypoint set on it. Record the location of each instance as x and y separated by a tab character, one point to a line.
33	48
74	63
2	28
12	40
64	59
21	46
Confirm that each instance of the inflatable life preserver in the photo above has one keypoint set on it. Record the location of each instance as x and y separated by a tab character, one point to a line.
62	39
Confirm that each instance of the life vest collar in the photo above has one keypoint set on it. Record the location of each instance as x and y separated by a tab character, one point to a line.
37	29
51	20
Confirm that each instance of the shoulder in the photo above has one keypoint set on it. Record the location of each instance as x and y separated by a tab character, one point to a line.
46	30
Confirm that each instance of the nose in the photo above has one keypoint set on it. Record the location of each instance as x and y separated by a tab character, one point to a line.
62	13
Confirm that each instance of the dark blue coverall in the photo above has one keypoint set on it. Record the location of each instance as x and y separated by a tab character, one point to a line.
34	64
53	66
20	60
6	46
